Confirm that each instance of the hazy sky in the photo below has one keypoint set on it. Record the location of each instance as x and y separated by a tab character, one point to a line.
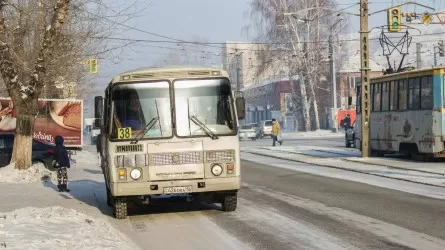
213	20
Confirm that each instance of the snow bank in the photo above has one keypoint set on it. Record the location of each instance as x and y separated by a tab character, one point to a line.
58	228
36	173
317	133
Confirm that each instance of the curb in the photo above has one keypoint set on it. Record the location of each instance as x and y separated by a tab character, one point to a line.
340	168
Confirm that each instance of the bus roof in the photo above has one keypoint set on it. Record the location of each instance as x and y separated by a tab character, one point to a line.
168	72
411	73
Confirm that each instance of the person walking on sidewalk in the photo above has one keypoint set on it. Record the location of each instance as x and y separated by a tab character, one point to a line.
276	132
62	163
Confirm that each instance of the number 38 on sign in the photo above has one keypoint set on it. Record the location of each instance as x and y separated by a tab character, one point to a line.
124	133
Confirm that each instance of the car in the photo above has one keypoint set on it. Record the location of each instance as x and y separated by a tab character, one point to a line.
350	136
249	131
265	129
41	152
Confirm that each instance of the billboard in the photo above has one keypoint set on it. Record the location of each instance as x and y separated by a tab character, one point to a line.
55	117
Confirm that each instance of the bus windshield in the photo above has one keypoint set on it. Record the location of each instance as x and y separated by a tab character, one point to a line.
204	107
137	104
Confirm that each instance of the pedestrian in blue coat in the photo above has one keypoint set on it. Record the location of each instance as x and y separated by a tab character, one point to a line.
62	164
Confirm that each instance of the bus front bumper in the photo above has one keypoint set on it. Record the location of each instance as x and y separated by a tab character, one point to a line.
175	186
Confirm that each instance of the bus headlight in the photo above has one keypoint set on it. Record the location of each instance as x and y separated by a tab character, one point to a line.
135	174
217	170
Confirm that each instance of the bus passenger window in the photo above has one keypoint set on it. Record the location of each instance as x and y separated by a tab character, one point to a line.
426	98
414	93
402	94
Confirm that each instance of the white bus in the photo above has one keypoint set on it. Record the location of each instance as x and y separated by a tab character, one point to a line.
170	131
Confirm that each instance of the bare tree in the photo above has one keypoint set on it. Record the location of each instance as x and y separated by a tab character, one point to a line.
41	44
288	28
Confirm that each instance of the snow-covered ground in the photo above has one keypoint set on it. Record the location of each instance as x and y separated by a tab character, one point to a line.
58	228
36	173
33	215
309	134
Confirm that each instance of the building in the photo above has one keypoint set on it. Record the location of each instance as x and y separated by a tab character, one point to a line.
349	75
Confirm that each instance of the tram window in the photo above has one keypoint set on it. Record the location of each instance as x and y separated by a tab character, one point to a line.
426	96
394	94
402	95
414	93
385	96
377	96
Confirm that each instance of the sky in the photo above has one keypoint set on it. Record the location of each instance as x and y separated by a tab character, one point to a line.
210	20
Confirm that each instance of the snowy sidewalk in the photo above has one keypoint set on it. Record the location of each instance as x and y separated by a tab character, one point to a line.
33	215
312	134
349	159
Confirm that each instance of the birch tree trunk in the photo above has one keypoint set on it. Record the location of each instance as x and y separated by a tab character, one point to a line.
316	118
305	105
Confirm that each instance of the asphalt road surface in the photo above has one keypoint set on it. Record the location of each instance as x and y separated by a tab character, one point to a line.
286	209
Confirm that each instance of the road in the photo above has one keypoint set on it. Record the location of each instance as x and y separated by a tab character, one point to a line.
286	209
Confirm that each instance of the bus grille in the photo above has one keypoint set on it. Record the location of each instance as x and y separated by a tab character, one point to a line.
129	148
175	158
220	156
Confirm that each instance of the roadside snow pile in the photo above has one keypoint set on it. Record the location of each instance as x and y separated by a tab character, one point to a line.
36	173
58	228
317	133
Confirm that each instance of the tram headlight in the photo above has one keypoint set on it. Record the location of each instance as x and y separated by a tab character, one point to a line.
135	174
217	170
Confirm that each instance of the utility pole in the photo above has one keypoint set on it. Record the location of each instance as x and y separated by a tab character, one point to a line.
364	44
419	55
334	86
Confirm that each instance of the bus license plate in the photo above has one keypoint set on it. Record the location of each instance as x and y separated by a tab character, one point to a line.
177	190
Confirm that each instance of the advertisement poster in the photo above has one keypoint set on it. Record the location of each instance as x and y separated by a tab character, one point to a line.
55	117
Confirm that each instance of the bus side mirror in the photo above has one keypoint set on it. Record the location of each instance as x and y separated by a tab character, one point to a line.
98	111
240	103
349	100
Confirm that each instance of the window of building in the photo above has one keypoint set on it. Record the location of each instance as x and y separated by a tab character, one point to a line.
426	92
403	92
385	96
393	92
414	93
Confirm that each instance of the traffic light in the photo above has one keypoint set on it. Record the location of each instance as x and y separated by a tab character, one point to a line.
394	19
442	48
93	65
409	16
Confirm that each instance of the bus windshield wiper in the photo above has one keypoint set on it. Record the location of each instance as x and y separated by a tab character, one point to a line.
147	127
209	132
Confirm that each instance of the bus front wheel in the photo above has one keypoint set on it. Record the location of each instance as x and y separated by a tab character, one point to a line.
229	202
120	209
